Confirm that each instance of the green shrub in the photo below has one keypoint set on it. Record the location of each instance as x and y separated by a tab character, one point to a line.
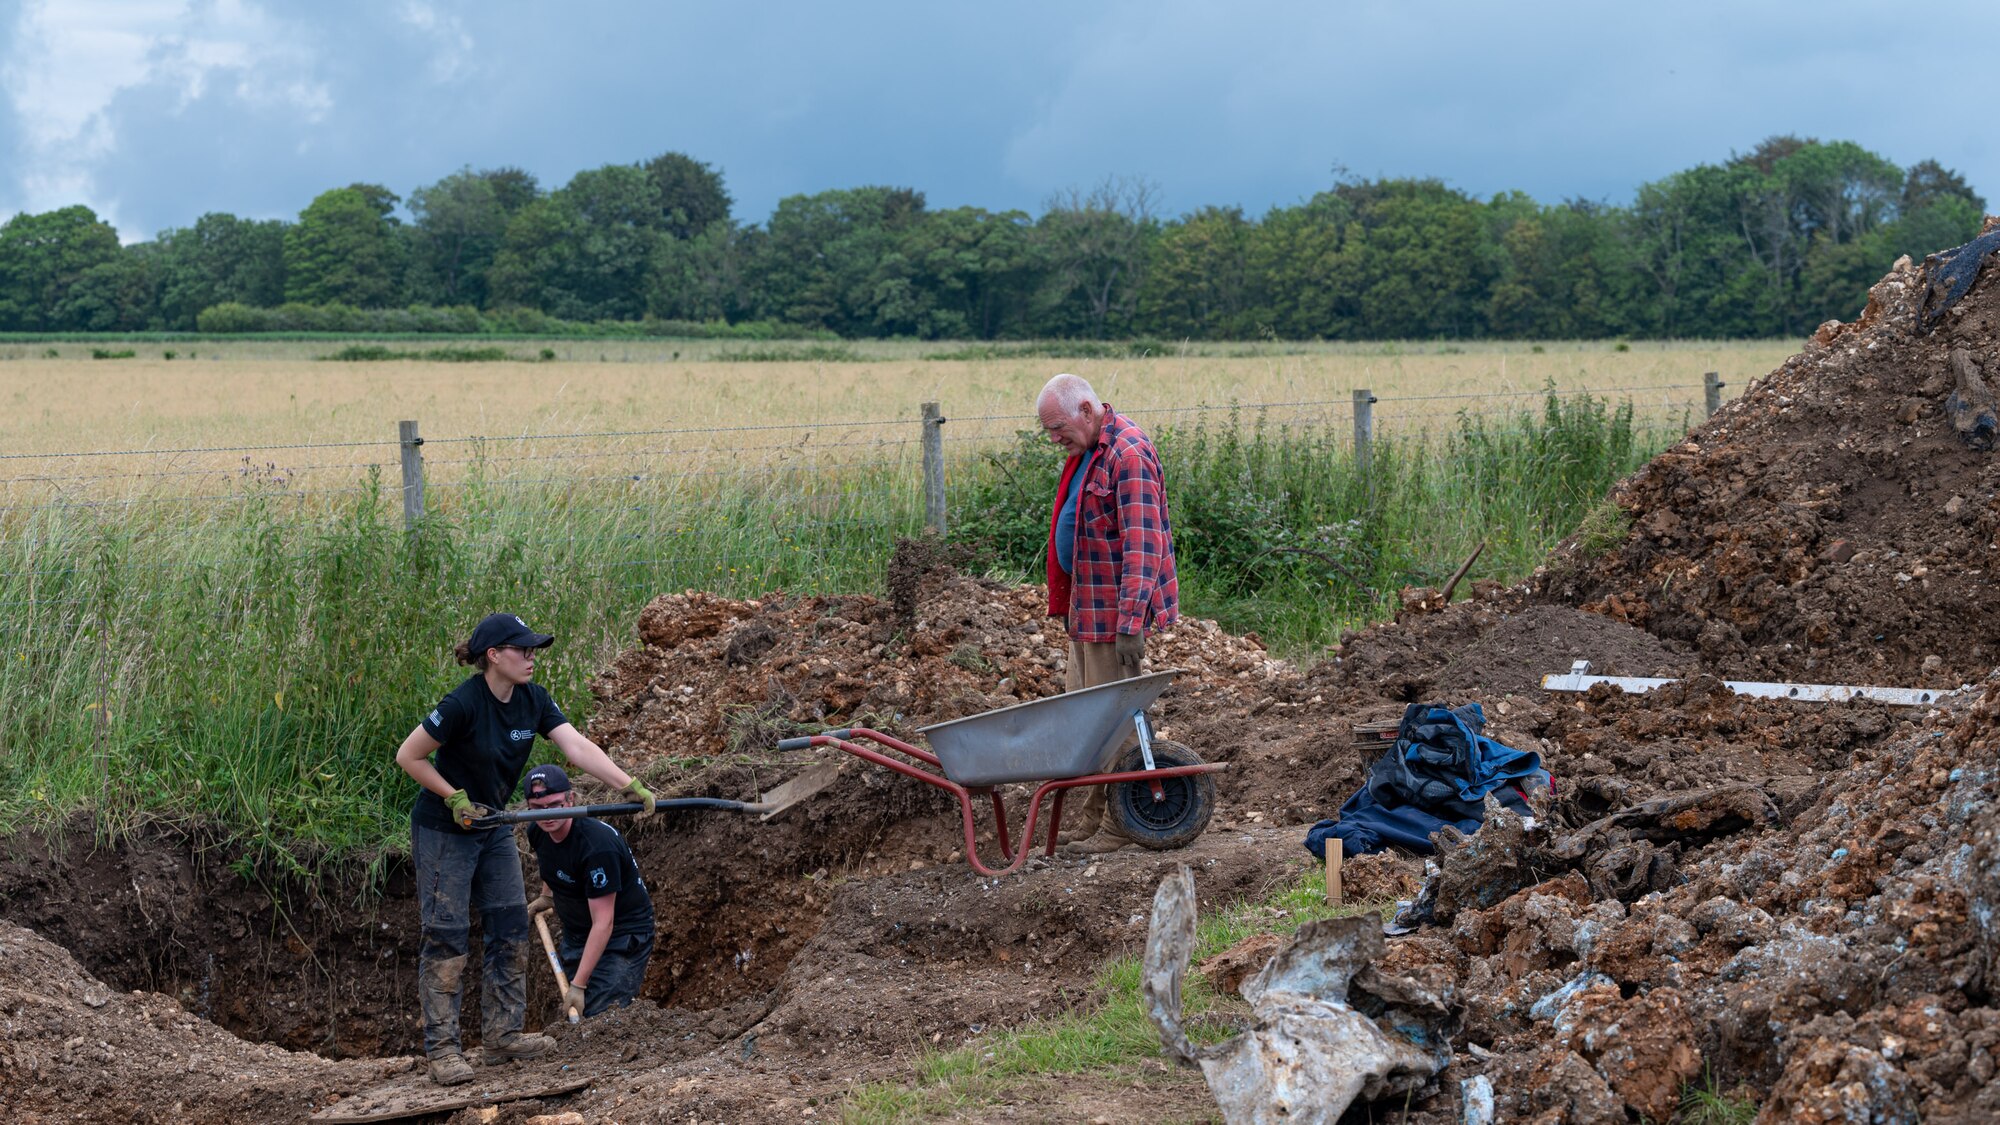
808	353
231	317
365	353
108	353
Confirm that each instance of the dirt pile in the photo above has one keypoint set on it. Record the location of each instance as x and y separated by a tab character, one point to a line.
715	676
1832	524
1835	962
74	1049
1800	910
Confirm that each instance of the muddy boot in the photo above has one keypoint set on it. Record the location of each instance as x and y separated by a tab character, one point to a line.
451	1069
521	1046
1085	820
1108	837
1104	841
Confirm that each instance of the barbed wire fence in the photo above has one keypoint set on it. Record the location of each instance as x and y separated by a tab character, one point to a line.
427	471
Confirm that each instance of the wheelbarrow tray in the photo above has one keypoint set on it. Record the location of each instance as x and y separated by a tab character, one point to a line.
1067	735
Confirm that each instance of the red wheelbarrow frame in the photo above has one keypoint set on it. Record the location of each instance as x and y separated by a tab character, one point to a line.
1059	786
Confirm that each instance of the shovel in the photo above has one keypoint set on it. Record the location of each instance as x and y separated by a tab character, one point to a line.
799	788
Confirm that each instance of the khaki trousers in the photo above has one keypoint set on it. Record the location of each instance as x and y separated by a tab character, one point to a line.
1090	665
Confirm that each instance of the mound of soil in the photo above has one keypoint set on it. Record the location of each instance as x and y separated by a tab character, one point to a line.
73	1048
1833	964
1835	523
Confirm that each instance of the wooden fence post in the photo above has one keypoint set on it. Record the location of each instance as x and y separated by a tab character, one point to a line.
1364	431
1711	391
413	474
934	507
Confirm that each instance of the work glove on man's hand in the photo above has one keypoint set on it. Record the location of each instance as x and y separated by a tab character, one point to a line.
464	809
640	794
573	999
540	903
1131	649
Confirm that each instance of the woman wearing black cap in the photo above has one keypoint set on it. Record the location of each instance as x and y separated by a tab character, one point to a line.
481	735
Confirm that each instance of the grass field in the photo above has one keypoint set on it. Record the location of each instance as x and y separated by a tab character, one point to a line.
244	636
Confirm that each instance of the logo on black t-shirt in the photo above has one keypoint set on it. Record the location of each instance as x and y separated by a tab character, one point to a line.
564	875
597	877
521	735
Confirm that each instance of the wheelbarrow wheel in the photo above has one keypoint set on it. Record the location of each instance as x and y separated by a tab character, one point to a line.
1170	823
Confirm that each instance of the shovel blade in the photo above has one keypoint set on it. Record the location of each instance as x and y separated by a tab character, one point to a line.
799	788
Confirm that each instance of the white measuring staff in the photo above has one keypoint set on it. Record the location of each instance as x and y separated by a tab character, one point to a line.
1578	678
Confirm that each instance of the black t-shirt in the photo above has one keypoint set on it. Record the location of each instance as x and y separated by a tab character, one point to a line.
483	744
591	862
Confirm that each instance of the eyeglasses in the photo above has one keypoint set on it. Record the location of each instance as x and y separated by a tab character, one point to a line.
523	650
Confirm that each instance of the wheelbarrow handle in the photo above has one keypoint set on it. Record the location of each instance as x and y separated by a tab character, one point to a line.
622	808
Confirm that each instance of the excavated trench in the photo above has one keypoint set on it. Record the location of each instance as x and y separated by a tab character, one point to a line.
332	968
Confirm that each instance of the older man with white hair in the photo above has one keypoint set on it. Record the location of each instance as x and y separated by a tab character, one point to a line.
1110	558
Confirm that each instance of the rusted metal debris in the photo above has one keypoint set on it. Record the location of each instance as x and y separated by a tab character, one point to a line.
1330	1027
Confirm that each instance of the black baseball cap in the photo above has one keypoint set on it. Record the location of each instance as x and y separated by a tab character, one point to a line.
544	781
497	629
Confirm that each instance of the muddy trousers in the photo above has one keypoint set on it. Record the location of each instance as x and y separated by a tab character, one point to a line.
620	972
457	873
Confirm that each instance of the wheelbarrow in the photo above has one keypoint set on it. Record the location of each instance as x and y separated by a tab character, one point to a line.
1159	791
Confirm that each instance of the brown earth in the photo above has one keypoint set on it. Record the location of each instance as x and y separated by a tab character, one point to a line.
1790	899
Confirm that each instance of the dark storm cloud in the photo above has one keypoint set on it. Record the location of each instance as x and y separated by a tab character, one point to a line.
255	108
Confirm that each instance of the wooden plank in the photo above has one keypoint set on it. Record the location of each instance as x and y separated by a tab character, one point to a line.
1335	848
415	1095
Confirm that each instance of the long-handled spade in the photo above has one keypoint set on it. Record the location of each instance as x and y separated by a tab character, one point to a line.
555	963
770	804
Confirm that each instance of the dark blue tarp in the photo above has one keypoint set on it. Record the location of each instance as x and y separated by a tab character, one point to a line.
1438	772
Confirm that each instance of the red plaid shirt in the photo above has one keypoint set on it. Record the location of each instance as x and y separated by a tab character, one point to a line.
1124	579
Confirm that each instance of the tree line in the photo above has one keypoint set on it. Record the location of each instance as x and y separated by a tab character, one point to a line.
1767	243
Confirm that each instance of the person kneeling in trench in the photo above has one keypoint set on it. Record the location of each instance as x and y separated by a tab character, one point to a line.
467	755
591	881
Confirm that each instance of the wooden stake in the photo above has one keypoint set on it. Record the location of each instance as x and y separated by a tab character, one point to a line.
1469	560
1334	848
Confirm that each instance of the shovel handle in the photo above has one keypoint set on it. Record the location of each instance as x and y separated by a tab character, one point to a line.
806	740
555	963
622	808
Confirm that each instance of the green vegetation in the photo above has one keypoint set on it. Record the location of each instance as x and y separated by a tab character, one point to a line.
1770	242
806	353
1111	1039
367	353
1706	1104
254	660
112	353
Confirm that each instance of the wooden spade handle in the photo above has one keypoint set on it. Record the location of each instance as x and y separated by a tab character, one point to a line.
555	963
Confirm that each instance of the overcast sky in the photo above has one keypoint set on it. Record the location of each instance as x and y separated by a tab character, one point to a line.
155	111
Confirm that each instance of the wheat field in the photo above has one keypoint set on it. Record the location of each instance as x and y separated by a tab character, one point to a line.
689	402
